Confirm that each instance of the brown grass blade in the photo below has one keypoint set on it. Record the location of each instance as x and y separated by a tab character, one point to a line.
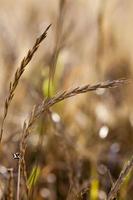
17	76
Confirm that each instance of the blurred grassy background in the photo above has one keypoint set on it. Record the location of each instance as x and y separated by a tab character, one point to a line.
86	136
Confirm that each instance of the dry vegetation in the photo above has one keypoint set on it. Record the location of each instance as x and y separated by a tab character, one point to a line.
66	100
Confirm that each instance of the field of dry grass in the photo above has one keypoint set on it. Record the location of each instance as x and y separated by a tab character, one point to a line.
66	98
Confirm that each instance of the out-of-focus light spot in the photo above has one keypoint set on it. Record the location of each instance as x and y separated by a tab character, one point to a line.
100	91
103	113
3	170
102	195
102	169
103	132
45	193
115	147
55	117
51	178
64	56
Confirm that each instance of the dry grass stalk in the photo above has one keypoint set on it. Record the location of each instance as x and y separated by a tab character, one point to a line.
110	177
58	41
19	178
25	132
46	104
49	102
24	173
21	161
100	34
10	185
116	186
18	74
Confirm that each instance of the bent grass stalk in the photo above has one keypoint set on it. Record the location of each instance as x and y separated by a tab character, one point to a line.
17	76
49	102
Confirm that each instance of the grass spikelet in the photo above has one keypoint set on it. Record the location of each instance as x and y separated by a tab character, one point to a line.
49	102
18	74
46	104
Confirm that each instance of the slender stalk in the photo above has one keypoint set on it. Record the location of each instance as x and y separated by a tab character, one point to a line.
19	178
57	47
24	173
18	75
116	186
10	184
49	102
